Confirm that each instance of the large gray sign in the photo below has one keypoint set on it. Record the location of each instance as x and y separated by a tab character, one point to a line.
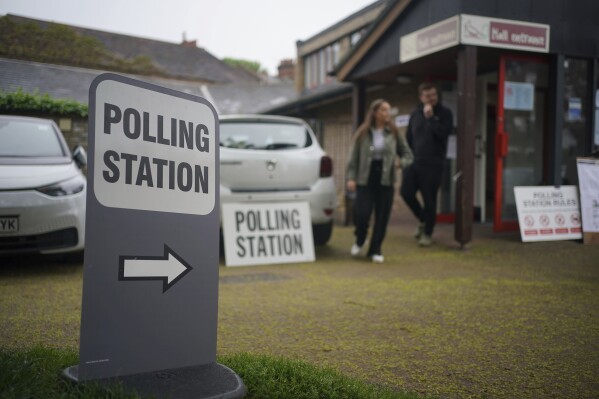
150	283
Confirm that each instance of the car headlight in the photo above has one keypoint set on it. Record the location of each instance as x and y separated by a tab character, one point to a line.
67	187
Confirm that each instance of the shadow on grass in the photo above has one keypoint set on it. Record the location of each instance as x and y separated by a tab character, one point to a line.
39	265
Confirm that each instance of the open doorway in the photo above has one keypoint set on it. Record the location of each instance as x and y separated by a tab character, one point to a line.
486	93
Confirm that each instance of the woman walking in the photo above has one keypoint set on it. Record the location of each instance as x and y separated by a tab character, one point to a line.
371	173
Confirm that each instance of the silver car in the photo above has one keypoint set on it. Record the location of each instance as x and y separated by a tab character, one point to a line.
267	158
42	189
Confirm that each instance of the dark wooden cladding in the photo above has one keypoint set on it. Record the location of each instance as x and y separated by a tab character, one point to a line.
574	26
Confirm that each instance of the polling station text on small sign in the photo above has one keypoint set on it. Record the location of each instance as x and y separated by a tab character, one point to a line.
267	233
153	155
547	213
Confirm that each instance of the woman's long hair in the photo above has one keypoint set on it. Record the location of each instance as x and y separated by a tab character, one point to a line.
369	121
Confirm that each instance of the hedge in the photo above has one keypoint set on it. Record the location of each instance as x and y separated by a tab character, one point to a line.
21	102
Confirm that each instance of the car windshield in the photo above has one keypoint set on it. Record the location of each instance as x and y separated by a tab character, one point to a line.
28	139
264	136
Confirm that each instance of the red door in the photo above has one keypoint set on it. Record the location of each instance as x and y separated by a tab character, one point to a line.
519	139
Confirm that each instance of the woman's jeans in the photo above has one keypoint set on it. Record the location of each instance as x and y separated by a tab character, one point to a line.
373	196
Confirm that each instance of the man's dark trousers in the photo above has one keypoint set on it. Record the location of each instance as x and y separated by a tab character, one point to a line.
426	178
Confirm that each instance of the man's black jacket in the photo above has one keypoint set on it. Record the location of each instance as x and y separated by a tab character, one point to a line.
428	137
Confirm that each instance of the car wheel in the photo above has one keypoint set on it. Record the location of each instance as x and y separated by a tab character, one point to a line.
322	233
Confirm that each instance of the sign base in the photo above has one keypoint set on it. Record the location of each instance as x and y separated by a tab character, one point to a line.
206	381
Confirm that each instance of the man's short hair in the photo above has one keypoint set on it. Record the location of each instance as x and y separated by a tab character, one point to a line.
424	86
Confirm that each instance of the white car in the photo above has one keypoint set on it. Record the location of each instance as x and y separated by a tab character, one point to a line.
42	189
266	158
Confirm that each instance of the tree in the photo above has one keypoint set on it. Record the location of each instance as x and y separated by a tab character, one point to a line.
253	66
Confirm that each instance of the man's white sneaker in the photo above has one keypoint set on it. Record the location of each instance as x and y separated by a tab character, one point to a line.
378	258
425	241
419	231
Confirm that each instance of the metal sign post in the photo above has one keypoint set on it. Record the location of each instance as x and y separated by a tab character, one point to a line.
150	282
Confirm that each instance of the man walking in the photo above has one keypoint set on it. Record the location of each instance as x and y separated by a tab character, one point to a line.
430	125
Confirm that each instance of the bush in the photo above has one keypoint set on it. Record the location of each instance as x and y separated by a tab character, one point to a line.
19	102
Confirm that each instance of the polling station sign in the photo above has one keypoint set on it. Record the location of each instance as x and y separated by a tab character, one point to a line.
547	213
153	156
150	278
267	233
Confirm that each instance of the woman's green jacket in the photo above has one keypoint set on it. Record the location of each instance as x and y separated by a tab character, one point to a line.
358	167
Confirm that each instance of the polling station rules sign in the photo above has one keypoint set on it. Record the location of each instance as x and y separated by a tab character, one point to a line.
547	213
257	234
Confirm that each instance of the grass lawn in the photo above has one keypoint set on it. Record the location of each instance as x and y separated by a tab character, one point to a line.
501	320
34	373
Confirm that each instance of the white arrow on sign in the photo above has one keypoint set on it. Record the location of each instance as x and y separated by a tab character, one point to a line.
169	268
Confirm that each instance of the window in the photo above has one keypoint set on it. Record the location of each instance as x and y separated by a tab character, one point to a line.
356	36
311	68
576	112
307	71
263	136
28	139
336	49
321	66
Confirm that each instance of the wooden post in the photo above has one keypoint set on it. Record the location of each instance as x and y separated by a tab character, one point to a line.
556	123
466	138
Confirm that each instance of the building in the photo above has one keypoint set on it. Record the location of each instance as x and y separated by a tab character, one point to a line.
320	54
286	69
521	77
321	99
183	67
182	61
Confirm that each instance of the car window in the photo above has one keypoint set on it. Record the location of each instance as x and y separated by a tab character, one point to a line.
28	139
264	136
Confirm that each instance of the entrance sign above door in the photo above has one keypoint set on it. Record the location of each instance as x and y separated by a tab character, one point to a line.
504	33
477	31
433	38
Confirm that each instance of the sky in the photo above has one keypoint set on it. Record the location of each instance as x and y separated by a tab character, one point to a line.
259	30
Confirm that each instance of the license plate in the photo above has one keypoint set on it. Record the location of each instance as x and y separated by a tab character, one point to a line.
9	224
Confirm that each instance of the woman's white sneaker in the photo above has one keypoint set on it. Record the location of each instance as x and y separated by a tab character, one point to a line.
356	249
378	258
